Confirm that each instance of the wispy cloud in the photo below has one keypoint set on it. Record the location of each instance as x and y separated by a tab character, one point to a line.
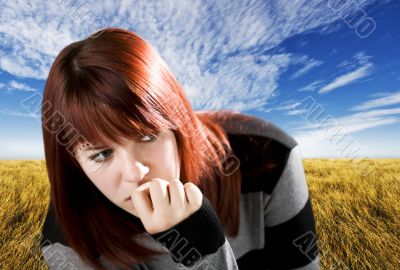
334	136
290	107
387	100
348	124
219	50
16	86
308	64
346	79
20	114
311	87
359	59
295	112
364	67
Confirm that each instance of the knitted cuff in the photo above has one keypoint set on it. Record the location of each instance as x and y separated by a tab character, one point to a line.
198	235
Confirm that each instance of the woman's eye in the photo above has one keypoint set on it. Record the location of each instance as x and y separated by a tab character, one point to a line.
98	158
148	138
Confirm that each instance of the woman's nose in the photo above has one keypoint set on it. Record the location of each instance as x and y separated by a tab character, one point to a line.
133	169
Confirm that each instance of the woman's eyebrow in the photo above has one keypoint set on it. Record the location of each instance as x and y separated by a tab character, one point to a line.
94	147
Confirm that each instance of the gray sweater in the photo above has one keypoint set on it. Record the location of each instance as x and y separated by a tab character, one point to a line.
277	228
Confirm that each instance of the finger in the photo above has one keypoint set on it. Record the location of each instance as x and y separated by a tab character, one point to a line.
142	202
193	194
177	193
159	194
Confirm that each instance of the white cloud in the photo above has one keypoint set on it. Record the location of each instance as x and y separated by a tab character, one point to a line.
338	131
290	107
359	59
308	64
20	114
359	121
14	85
287	105
360	65
220	51
311	87
346	79
295	112
216	49
386	100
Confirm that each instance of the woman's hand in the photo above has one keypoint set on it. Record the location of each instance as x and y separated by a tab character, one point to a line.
161	204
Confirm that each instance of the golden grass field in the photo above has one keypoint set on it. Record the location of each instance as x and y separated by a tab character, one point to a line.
357	212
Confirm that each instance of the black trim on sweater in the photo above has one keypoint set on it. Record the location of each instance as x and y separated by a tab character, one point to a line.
262	161
51	232
195	237
294	239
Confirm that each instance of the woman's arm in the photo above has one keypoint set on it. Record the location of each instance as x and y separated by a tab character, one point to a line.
289	226
197	242
289	220
58	256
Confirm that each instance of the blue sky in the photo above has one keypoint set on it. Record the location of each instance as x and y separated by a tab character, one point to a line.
264	58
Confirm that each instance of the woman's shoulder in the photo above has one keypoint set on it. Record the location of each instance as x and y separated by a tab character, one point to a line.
237	123
262	147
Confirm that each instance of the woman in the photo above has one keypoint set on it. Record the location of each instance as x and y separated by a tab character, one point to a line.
141	181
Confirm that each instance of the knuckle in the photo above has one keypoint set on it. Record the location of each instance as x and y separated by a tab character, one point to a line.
156	184
157	181
136	192
176	183
189	185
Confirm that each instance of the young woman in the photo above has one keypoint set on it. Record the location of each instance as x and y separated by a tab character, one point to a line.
141	181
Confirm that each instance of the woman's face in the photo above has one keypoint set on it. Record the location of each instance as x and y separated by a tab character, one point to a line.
120	169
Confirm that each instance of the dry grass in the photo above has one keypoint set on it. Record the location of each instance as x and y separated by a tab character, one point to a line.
357	213
24	199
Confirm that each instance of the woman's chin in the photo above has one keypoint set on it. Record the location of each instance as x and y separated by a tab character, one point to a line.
130	209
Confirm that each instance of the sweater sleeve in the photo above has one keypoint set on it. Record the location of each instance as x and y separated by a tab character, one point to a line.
289	220
199	242
58	256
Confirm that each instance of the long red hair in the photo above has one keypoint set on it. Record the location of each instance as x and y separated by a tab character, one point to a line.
114	84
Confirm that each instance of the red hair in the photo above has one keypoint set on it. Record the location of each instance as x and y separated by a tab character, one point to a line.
110	85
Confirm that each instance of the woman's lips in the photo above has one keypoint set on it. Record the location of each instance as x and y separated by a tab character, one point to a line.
143	181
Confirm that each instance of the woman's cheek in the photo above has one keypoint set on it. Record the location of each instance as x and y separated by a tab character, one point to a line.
95	168
98	178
